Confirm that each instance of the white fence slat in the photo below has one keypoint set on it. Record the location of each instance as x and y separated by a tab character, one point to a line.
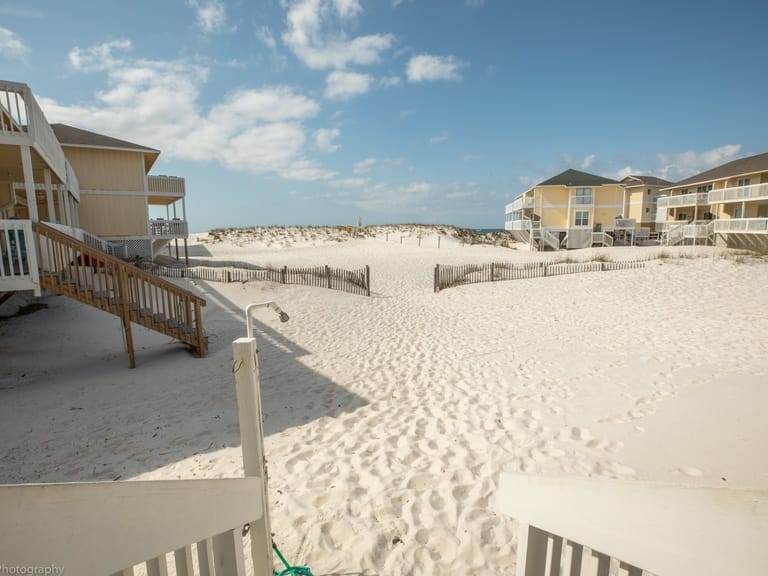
228	554
630	570
183	561
158	566
531	551
205	557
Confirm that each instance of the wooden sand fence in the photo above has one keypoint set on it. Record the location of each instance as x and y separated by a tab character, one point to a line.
352	281
450	276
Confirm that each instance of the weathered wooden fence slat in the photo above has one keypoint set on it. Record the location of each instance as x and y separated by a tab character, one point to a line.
446	276
352	281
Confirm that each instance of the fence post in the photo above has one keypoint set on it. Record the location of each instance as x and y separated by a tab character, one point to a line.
367	280
283	274
493	272
246	369
328	275
438	241
437	276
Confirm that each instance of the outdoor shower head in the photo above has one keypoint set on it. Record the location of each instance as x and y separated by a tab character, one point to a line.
251	307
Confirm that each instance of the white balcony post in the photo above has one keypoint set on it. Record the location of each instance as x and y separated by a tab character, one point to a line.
246	369
49	195
29	182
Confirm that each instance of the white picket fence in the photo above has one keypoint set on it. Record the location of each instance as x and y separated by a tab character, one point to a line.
183	527
599	526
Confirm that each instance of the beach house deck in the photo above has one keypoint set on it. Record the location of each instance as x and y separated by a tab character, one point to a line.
73	206
727	205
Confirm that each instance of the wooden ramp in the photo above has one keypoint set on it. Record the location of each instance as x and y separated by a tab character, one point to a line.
89	275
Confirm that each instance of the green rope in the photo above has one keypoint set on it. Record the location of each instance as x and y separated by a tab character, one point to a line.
290	570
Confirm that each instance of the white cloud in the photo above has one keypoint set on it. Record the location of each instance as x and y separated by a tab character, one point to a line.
264	34
472	157
385	198
349	183
364	166
342	85
324	139
389	81
99	57
211	14
157	104
406	113
11	45
587	161
426	68
676	167
315	34
623	173
438	139
474	3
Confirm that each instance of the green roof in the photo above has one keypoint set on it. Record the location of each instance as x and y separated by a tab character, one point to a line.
577	178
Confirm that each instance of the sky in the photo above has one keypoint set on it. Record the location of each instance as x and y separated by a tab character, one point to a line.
317	112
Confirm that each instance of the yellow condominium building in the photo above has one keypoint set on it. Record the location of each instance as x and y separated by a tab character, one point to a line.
571	210
727	205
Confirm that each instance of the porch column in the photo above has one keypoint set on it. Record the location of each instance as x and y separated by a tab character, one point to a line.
29	183
68	208
60	196
49	195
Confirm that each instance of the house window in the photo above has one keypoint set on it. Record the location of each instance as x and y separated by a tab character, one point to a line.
705	188
684	191
582	218
647	210
743	182
648	192
583	196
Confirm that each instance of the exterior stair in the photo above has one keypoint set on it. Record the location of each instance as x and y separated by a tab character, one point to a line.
89	275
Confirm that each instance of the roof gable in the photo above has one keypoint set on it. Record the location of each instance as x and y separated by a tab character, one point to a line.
758	163
637	180
77	137
573	177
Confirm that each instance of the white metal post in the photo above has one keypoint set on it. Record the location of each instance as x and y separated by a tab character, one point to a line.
246	369
49	195
29	183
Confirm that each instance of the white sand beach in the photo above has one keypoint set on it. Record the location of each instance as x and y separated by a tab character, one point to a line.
388	418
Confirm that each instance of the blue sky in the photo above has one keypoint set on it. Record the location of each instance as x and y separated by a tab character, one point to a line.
320	111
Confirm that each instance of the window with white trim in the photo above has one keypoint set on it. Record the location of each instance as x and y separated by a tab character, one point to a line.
705	188
583	196
582	218
743	182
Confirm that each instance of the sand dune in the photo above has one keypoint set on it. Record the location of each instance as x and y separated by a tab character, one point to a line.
389	418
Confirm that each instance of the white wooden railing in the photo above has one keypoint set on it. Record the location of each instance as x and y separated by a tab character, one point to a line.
22	120
695	199
103	528
699	229
184	527
173	185
624	223
114	248
739	193
168	228
548	237
742	225
602	238
520	203
518	225
597	526
18	258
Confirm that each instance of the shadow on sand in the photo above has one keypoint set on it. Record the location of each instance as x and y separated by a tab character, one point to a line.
71	409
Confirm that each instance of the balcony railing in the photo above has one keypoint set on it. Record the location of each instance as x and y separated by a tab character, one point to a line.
22	120
168	228
742	226
521	225
739	194
695	199
520	203
159	185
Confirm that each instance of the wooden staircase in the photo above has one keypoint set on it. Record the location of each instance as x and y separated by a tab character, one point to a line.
91	276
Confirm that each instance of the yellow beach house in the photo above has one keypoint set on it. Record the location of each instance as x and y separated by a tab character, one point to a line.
572	210
726	205
641	196
75	206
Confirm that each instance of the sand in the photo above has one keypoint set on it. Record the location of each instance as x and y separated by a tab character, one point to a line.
388	419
